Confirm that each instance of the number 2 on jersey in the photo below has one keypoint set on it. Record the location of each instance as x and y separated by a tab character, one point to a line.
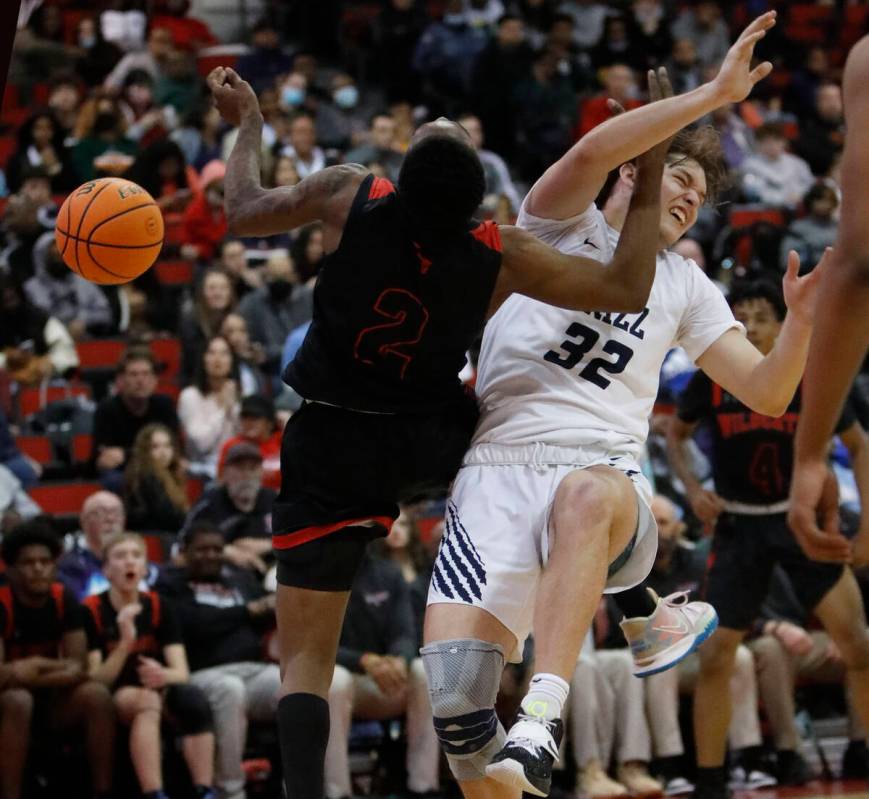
388	341
574	351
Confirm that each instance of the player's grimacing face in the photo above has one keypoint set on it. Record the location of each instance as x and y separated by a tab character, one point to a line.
683	192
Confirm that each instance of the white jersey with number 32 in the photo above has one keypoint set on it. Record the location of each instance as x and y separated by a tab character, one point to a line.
574	379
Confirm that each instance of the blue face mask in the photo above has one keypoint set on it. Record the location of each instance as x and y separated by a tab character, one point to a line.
346	97
292	95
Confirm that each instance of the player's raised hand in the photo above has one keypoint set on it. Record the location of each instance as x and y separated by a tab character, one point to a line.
736	78
814	513
234	97
801	293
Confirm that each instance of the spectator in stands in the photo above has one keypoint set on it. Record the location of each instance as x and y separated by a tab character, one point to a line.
64	99
379	647
54	288
234	261
136	650
615	45
588	21
224	615
147	123
250	355
396	32
152	59
380	147
504	62
619	84
23	223
811	234
240	507
284	172
704	25
43	643
160	169
39	48
98	55
680	566
36	186
267	60
257	425
772	175
199	136
40	144
822	133
204	219
307	251
155	487
102	146
342	119
546	115
737	139
119	418
125	26
651	33
213	300
208	409
445	56
607	722
802	90
24	468
80	568
188	33
34	346
683	66
302	145
280	306
179	86
498	180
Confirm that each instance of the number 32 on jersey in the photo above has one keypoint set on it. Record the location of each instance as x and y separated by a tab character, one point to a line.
583	338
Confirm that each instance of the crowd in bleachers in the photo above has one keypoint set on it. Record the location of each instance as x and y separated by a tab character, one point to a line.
157	406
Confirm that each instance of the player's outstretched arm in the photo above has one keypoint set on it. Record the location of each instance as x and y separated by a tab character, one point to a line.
539	271
571	183
252	210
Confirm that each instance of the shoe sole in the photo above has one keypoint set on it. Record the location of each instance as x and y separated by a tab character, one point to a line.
699	638
512	774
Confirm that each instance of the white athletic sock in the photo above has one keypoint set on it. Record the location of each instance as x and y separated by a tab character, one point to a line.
546	696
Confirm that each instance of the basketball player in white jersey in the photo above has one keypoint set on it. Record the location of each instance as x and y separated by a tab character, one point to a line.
840	340
550	507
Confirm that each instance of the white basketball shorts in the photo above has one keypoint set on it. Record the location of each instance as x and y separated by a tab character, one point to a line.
497	528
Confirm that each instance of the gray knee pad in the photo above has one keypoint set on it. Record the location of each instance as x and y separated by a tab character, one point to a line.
463	680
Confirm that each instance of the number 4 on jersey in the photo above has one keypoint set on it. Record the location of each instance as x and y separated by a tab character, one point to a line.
582	340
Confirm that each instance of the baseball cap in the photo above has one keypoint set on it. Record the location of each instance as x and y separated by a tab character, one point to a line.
243	451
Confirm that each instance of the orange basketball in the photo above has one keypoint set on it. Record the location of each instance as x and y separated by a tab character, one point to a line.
109	230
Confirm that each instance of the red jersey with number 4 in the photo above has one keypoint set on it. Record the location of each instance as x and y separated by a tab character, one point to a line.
393	315
752	455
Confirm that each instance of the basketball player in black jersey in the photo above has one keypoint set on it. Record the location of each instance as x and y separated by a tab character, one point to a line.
406	284
752	461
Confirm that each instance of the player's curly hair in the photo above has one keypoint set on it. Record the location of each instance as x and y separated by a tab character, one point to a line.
702	145
441	183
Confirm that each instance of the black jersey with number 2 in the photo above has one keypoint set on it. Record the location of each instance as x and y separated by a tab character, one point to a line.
753	454
393	317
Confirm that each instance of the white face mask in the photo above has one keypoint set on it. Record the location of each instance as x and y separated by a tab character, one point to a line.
87	40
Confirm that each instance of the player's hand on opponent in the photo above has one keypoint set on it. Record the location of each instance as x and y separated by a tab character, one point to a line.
814	513
707	507
234	97
736	78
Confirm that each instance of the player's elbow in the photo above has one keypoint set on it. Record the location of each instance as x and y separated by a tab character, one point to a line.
771	406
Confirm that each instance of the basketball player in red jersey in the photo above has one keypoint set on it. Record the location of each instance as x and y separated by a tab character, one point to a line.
839	341
406	285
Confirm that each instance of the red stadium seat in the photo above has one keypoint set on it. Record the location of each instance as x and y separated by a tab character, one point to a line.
221	55
37	447
30	400
63	499
100	353
71	18
10	97
169	389
746	216
7	147
174	273
82	447
195	487
808	23
173	228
